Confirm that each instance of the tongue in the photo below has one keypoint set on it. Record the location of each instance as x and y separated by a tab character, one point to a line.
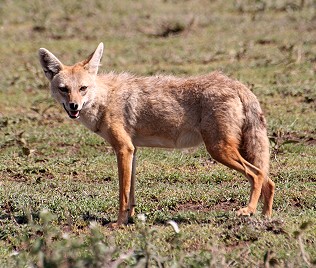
74	113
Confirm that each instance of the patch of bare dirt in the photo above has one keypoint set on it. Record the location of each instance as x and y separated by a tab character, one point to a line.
281	137
220	206
192	206
226	205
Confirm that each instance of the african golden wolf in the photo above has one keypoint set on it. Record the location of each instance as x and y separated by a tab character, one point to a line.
166	111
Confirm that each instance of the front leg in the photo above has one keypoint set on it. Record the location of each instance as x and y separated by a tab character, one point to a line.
132	191
124	156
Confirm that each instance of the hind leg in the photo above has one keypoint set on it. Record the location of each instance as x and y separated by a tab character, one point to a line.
268	188
226	152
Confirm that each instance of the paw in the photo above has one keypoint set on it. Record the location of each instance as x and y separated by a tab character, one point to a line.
131	212
247	211
115	225
267	213
112	225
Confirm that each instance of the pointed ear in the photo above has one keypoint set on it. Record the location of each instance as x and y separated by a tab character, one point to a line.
50	64
92	63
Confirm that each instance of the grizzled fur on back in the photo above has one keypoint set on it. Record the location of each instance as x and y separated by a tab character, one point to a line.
234	109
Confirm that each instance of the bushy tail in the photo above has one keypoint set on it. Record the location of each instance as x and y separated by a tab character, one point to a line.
255	142
255	145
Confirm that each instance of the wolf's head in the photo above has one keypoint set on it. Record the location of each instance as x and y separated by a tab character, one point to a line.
72	86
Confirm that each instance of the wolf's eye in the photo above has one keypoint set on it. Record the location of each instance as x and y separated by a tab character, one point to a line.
83	88
63	89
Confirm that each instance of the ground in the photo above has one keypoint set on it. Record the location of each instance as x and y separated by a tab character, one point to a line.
59	185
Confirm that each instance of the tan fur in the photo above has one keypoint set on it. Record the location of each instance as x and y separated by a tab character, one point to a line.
166	111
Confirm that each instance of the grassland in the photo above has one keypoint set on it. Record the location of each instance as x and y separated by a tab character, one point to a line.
58	179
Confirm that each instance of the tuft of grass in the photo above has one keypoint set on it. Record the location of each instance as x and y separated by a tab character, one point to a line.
45	245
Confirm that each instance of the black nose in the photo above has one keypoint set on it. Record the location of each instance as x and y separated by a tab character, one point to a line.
73	106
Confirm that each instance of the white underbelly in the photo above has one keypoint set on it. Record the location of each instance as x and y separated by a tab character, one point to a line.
184	140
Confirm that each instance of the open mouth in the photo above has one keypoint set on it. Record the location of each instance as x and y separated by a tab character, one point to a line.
72	114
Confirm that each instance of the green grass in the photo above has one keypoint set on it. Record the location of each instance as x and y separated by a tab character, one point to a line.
50	162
